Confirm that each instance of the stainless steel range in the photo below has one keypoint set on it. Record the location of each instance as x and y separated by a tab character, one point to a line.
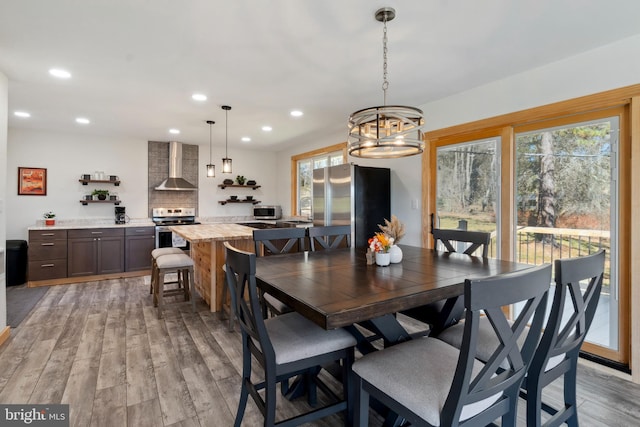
166	217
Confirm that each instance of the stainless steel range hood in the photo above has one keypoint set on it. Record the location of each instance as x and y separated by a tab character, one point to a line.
175	182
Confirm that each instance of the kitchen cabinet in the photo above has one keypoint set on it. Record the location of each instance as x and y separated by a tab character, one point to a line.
139	242
95	251
47	254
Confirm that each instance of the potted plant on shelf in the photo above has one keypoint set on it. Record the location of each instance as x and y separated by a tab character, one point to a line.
102	194
240	179
49	218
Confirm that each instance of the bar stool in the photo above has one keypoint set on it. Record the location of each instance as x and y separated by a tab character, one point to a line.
155	254
182	265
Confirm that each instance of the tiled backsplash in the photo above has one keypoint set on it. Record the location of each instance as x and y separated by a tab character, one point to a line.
159	171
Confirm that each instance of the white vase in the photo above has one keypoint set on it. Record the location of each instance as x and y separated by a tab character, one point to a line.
383	258
396	254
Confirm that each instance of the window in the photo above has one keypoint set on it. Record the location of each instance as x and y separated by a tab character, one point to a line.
467	187
566	198
564	189
303	166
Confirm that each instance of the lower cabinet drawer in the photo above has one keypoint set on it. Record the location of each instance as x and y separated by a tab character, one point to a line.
45	250
49	269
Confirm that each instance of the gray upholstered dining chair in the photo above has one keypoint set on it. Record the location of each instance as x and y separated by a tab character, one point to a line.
277	241
329	237
572	313
283	346
431	383
440	315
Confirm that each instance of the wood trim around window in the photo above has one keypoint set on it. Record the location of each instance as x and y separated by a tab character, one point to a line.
603	104
310	154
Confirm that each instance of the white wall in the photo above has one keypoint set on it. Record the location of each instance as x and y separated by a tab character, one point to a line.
609	67
4	87
67	156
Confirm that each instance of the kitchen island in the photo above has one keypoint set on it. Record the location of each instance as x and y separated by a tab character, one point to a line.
207	252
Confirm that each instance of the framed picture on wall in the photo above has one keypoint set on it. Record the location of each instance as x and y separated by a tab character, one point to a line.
32	181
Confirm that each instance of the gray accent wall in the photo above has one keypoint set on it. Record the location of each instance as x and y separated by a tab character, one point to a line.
159	171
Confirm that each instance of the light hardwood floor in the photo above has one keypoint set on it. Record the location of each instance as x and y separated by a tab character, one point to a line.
99	347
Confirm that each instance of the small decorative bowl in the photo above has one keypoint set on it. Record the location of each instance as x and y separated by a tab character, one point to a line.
227	181
251	182
233	197
249	197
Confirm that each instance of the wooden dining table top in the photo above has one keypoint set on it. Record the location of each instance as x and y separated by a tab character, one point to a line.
337	288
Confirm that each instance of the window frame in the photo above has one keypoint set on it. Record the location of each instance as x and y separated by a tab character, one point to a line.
309	155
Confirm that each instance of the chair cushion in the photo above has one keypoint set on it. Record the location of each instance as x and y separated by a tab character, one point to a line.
418	374
296	338
165	251
174	261
277	305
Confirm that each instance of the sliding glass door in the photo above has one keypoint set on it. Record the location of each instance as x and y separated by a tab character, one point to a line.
468	188
566	205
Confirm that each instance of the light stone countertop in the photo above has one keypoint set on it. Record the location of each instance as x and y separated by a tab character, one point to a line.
209	232
91	223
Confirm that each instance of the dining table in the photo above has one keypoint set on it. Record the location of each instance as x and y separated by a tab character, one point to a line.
337	288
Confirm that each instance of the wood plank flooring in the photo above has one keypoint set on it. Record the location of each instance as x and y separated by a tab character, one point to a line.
99	347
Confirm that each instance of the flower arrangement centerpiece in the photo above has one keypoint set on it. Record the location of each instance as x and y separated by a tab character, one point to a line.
379	246
395	230
380	242
49	218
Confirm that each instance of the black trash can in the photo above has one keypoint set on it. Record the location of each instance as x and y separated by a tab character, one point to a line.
16	262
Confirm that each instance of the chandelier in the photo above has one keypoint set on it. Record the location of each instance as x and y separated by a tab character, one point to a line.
387	131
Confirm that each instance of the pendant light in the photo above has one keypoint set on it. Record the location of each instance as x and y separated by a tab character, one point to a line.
387	131
211	168
226	162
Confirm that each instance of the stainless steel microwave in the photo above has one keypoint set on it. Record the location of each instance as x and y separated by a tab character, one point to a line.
267	212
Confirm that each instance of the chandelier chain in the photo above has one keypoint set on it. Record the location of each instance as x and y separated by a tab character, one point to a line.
385	82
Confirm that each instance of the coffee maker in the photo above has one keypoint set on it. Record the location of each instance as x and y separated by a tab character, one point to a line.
120	215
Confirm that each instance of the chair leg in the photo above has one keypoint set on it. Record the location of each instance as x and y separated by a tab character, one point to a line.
570	403
362	405
192	289
534	403
270	399
349	386
160	287
242	405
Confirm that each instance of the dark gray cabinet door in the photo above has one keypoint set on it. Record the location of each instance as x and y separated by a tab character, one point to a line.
81	256
110	255
95	251
138	251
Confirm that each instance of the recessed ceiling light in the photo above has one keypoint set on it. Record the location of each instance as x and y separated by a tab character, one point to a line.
83	120
59	73
267	128
174	131
199	97
22	114
296	113
246	139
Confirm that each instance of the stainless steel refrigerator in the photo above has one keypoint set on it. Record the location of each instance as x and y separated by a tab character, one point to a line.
353	195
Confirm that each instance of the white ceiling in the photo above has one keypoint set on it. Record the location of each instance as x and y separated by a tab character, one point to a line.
136	63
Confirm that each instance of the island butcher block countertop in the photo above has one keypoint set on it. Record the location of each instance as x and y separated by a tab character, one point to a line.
208	254
208	232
